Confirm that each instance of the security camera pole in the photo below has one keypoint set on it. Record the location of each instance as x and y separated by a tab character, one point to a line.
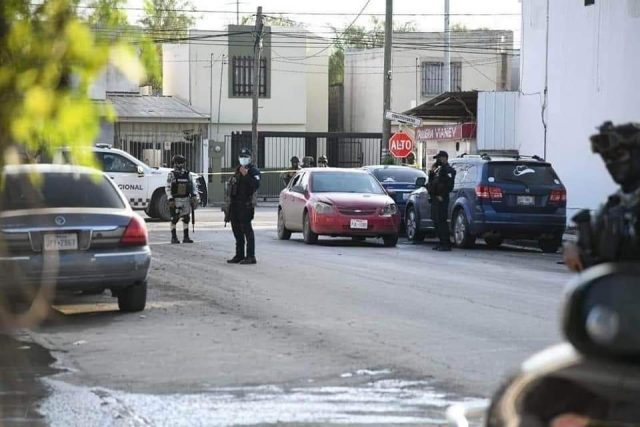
256	83
386	104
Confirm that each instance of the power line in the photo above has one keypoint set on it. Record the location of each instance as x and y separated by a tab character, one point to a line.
278	14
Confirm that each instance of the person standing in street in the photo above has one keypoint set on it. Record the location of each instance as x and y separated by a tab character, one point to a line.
242	192
323	162
293	170
441	180
182	194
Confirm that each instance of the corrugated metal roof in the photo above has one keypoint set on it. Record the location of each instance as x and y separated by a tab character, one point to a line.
453	106
154	108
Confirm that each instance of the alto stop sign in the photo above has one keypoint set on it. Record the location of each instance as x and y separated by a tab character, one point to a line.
400	144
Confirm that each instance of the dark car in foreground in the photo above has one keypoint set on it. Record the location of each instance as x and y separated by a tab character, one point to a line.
71	229
497	198
337	202
399	181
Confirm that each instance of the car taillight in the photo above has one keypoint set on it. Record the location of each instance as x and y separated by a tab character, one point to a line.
488	193
136	233
558	196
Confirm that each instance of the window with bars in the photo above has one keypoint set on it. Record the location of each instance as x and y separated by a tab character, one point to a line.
433	81
242	76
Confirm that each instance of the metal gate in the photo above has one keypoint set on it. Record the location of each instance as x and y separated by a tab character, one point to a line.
275	149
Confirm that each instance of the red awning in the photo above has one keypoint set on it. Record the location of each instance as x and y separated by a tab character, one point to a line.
447	132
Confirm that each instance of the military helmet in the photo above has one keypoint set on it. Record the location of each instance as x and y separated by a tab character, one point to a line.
611	138
295	159
323	159
178	158
619	147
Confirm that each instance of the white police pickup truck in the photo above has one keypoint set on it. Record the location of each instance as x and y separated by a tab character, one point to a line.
141	184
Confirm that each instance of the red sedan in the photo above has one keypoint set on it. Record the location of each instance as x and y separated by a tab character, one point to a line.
337	202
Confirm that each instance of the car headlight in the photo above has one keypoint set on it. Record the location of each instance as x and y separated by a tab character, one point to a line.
323	208
391	209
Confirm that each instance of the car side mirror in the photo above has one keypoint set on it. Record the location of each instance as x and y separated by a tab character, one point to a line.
140	170
601	316
421	182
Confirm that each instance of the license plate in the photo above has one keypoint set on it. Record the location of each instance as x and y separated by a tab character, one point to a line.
359	224
61	242
526	201
406	196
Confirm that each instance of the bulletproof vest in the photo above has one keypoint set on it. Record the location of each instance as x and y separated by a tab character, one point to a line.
617	229
181	186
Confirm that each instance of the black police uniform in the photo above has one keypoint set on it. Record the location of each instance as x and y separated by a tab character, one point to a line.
614	233
241	212
440	185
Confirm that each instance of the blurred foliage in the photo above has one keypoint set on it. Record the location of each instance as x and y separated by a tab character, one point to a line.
49	59
166	21
359	37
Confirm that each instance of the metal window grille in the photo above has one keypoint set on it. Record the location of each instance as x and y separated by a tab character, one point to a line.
433	81
242	84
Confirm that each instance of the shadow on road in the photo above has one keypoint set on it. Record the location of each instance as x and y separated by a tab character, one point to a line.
21	366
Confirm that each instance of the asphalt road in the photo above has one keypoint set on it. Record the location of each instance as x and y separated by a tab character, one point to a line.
336	332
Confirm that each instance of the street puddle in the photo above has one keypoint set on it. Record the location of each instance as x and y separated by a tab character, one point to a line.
373	401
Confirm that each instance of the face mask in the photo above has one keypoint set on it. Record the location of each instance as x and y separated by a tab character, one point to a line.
244	161
180	166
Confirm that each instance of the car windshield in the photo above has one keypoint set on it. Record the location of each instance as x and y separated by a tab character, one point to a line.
523	173
395	175
344	182
21	191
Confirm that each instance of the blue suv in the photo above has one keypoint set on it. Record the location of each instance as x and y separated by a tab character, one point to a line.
497	198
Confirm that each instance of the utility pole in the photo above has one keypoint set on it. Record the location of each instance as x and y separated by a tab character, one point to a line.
237	12
447	49
386	103
257	51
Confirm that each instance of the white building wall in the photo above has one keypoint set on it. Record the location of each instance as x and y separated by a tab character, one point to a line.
594	57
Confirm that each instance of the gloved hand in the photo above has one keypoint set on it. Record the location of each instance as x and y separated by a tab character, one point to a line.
172	204
194	202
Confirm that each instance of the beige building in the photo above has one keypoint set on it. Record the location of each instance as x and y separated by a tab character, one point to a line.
213	73
480	60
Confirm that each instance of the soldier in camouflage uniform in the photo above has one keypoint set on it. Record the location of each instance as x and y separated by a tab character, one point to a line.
182	195
614	233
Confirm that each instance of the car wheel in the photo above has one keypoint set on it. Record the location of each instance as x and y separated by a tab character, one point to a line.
411	226
309	236
162	208
550	246
283	233
133	298
461	235
493	242
390	240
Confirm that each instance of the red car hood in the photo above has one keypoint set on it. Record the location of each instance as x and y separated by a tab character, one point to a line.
354	200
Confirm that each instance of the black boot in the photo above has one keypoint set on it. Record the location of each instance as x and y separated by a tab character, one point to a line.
174	237
186	238
249	260
235	260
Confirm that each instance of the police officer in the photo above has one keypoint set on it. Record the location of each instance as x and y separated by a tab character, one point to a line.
182	194
614	233
308	162
243	186
323	162
293	170
441	178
